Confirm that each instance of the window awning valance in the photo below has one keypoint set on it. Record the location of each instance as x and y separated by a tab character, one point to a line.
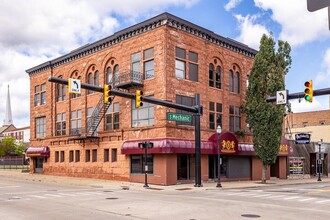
167	145
38	151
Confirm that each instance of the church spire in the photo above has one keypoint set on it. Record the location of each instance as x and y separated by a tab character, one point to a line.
8	118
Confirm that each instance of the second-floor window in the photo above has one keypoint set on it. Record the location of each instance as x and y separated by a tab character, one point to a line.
180	64
112	117
40	94
142	116
60	92
136	62
215	115
188	101
41	127
214	76
75	122
234	81
234	118
60	124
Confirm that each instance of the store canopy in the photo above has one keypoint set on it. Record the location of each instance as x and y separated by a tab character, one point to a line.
167	145
38	151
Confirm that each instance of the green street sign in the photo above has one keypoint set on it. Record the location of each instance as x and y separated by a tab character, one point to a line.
178	117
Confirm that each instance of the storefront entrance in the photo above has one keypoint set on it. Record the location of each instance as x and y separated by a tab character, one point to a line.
38	164
186	167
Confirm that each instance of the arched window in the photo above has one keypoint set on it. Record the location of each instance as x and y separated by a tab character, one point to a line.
211	75
231	81
237	83
116	74
90	81
96	78
218	77
60	92
109	75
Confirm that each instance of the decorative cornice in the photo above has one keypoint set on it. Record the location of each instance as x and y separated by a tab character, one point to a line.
148	25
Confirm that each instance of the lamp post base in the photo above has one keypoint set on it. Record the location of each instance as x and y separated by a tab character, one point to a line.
219	185
319	179
145	185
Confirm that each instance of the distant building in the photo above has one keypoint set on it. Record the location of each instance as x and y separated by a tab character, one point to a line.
304	159
20	134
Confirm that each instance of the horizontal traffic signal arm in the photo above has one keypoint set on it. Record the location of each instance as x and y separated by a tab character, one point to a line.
298	95
193	109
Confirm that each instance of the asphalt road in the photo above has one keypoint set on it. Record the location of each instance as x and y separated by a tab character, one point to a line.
25	199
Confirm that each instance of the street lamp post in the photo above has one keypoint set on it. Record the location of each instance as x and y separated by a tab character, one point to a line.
219	159
145	146
319	162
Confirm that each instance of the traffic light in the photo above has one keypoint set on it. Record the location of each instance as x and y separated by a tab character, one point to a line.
107	94
138	98
309	91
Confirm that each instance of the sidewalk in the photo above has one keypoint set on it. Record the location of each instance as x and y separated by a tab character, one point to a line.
98	183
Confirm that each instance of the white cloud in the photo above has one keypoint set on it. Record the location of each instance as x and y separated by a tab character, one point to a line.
324	76
36	31
232	4
319	103
250	32
298	25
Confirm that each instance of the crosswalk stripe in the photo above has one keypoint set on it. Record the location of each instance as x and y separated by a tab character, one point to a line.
323	201
262	195
277	197
39	197
53	195
307	199
292	197
66	194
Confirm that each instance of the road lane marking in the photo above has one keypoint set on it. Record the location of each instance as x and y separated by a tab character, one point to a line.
277	197
39	197
304	200
264	195
292	197
66	194
53	195
323	201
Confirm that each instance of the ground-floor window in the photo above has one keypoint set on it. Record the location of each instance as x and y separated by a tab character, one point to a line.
186	166
231	166
137	163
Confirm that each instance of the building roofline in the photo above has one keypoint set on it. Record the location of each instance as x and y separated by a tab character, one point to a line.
142	27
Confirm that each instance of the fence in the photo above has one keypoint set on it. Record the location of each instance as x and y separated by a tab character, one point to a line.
14	162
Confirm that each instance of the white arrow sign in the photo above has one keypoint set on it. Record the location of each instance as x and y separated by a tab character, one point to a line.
74	86
282	97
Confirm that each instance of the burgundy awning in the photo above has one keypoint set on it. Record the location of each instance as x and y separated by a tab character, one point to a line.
167	145
38	152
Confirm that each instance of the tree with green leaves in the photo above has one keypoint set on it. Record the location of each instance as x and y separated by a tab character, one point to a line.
8	146
265	118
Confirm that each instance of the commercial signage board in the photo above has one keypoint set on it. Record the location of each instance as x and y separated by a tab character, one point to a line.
303	138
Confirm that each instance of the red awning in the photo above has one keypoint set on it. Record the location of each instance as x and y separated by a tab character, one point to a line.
38	152
167	145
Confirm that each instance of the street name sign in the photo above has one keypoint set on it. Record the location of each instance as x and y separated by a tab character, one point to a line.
303	138
178	117
282	97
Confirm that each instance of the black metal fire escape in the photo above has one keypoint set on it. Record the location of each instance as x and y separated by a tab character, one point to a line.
96	117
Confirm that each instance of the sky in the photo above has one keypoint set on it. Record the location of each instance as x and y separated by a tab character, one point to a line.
36	31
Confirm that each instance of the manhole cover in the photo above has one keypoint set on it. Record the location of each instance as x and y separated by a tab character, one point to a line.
250	216
52	190
107	191
154	188
112	198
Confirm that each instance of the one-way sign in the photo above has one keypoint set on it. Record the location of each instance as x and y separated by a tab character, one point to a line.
281	97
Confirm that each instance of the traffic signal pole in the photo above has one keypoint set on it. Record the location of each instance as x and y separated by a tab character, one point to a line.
197	109
299	95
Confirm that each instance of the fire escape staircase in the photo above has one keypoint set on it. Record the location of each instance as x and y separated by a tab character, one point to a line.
96	117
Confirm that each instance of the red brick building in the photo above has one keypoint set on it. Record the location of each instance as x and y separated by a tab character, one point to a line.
169	59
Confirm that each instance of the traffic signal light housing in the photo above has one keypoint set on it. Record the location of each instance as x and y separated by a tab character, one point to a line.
309	91
138	98
107	94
